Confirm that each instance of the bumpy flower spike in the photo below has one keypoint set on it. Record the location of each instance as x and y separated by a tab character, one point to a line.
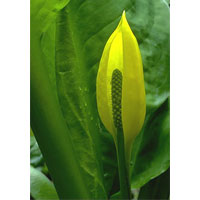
120	85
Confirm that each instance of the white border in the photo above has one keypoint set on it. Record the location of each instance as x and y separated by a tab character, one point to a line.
185	99
15	111
14	100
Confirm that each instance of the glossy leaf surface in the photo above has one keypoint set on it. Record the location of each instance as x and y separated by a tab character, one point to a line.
41	186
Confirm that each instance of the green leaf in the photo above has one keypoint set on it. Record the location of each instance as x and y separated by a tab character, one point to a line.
77	104
150	23
151	148
158	188
47	120
36	158
41	187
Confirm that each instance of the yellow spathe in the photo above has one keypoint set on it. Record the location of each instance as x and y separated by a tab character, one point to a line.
122	52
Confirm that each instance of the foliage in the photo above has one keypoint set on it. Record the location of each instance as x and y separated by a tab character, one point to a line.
36	158
41	186
70	39
157	188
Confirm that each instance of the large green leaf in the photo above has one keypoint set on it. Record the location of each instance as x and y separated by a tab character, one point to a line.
81	31
151	149
41	186
47	121
78	109
157	188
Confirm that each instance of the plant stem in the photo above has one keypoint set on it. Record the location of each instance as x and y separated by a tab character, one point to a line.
52	133
122	167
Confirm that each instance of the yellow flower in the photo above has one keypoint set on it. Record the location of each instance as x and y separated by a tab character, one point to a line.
120	85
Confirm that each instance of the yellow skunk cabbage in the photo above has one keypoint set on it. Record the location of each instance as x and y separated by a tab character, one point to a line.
120	85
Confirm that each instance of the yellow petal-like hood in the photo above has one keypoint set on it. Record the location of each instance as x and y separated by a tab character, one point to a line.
122	53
